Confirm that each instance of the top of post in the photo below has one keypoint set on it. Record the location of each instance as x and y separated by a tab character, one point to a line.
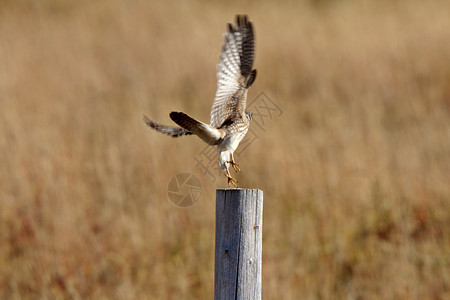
238	189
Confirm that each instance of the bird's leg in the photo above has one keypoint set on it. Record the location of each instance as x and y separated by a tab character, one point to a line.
234	164
231	179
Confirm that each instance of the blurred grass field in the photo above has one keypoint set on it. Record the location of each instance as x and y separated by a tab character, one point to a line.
355	172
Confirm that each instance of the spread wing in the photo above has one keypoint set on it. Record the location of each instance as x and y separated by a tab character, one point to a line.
204	131
169	130
234	72
189	126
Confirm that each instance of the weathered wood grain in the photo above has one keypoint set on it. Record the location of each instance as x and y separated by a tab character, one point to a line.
238	249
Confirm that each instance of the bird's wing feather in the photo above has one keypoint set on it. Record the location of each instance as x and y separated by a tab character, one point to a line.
172	131
204	131
234	71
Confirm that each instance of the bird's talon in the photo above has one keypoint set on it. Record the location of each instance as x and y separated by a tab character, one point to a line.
231	180
234	165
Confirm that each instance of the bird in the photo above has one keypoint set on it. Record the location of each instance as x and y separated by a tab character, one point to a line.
229	119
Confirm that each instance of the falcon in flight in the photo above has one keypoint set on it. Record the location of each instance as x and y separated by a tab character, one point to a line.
229	118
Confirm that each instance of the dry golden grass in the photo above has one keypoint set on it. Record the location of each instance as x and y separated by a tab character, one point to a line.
355	172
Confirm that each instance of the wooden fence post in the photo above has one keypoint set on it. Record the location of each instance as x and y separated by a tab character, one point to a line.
238	251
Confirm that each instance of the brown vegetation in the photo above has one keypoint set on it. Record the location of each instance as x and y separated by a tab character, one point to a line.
355	172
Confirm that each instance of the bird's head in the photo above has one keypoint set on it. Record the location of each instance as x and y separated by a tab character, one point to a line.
249	115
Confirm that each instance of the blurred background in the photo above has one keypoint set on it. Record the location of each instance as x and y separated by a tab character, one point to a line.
355	171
